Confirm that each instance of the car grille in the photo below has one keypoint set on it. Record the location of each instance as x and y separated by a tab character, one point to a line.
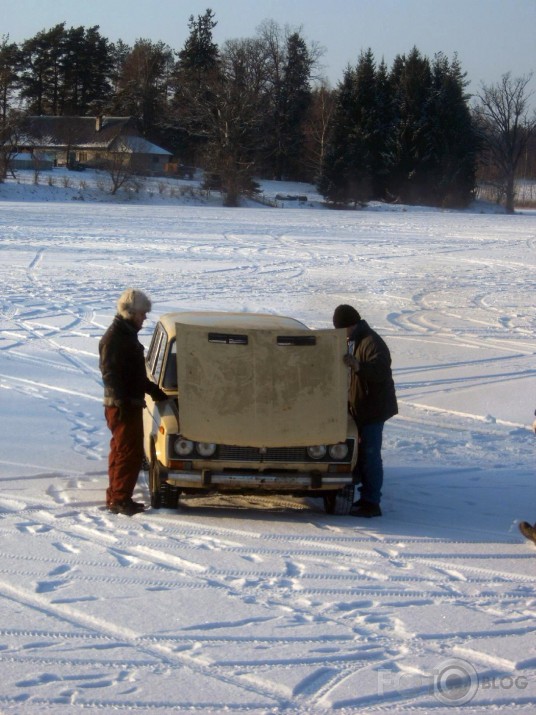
270	454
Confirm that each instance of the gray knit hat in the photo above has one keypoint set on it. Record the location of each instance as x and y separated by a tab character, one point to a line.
133	301
345	316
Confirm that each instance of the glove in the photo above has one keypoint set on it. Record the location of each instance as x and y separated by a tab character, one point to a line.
352	362
160	396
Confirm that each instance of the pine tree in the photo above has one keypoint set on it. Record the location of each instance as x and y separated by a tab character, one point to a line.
10	58
354	164
294	98
143	84
196	71
411	79
450	137
86	66
336	180
65	72
40	77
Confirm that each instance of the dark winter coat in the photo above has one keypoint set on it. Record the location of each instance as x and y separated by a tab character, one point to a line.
122	366
372	396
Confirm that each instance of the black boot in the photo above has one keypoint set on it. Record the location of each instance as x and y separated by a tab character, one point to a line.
528	531
365	509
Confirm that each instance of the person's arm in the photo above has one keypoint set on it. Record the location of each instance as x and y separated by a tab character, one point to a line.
111	368
374	362
151	388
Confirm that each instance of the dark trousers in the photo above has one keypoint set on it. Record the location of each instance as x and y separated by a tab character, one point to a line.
369	466
126	452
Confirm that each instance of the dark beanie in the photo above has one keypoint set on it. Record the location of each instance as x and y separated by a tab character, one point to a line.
344	316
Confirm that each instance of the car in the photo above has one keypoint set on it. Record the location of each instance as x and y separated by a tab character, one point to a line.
257	404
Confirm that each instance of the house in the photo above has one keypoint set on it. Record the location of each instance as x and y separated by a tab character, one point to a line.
92	141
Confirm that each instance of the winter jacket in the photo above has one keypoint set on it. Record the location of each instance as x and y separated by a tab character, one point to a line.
372	396
122	366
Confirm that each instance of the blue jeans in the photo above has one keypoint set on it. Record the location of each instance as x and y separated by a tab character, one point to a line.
369	467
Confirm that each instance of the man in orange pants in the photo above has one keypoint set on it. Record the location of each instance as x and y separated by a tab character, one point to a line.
122	365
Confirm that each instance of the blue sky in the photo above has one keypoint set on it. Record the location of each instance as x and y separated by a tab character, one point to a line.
491	37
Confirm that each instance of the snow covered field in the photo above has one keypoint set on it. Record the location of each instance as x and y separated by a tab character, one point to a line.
270	606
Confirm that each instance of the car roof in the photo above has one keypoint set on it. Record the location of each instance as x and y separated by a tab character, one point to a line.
229	321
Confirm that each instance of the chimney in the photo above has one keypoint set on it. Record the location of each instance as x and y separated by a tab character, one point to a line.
98	123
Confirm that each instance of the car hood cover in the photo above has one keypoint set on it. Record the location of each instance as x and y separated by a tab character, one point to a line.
262	387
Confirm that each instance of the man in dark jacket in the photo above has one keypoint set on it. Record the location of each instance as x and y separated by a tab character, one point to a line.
529	530
122	365
371	400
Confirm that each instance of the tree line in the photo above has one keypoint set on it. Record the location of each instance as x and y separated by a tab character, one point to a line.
257	107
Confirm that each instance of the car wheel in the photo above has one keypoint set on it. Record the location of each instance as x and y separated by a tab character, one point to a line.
154	483
163	495
339	502
330	502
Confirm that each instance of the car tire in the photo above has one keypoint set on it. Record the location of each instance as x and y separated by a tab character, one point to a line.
155	481
163	495
339	502
330	501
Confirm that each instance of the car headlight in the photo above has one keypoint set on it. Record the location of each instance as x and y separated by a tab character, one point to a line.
317	452
183	447
205	449
338	451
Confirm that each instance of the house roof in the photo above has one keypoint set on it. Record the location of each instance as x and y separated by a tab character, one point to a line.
139	145
82	132
89	133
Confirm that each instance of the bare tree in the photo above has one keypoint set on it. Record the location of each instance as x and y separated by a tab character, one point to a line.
506	128
226	112
119	166
10	132
317	126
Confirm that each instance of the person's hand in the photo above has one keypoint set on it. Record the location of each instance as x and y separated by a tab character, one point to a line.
534	426
352	362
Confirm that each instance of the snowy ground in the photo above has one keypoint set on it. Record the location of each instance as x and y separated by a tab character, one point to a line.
269	606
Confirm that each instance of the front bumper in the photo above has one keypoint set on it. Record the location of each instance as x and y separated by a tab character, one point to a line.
273	482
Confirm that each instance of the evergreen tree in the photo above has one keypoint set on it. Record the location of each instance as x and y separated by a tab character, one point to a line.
411	78
86	66
289	64
65	72
450	137
143	85
200	54
354	165
294	99
40	77
384	140
9	66
196	71
337	180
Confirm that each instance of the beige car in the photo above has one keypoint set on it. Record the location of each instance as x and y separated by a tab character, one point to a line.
258	404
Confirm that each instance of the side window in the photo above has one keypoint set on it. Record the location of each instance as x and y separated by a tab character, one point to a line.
170	376
156	353
159	357
153	345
